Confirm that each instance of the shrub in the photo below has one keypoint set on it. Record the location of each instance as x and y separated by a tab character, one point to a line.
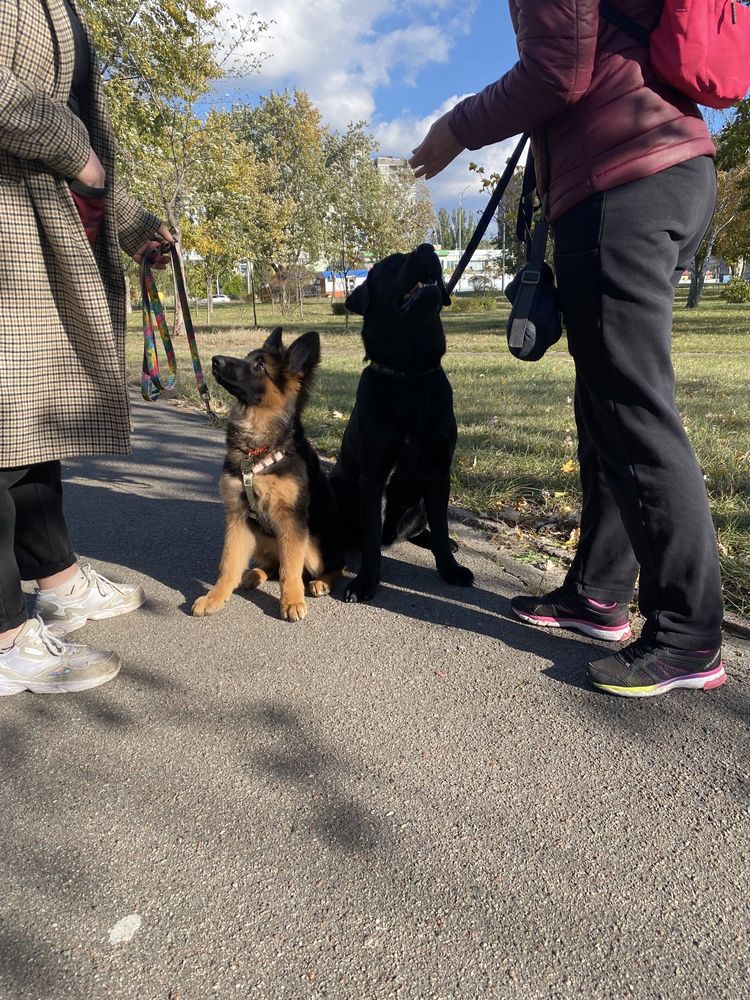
473	303
337	307
736	291
235	286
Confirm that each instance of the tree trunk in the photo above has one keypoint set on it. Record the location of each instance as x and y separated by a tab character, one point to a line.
128	299
209	298
697	281
252	292
700	266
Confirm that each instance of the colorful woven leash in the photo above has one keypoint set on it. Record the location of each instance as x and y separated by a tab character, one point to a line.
153	311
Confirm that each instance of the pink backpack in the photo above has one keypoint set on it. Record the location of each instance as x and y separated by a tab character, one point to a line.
700	47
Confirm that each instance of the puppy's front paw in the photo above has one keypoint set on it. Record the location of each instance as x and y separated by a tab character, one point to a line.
294	611
456	574
207	605
360	590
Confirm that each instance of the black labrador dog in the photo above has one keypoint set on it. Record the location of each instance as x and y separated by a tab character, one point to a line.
400	439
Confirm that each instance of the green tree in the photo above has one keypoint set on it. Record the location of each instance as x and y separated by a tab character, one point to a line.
446	235
514	252
733	147
225	217
733	141
728	211
349	175
400	214
285	133
160	59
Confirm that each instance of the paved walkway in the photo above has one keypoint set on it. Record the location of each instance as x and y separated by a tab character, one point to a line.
417	798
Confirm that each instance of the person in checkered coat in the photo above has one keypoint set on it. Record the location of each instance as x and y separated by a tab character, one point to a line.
64	217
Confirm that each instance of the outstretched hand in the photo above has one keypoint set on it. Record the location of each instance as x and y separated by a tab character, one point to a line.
439	148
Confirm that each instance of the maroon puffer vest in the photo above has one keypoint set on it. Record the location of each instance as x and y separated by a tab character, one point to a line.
587	93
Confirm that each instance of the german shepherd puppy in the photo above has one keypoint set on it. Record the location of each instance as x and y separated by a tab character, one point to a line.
401	436
280	509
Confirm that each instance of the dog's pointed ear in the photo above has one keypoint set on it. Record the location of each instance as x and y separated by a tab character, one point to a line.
273	341
356	301
303	354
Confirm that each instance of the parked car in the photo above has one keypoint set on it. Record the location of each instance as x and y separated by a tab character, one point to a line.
218	300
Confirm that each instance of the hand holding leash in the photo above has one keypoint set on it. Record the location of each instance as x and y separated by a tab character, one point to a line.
157	260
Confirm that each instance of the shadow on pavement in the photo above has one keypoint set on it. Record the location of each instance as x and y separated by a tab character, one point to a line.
178	542
292	754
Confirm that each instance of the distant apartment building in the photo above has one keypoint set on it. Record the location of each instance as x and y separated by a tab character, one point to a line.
391	166
483	273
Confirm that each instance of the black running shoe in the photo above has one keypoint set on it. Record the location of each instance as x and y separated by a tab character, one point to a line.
643	670
564	609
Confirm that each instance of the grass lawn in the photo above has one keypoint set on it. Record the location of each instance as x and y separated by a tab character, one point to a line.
516	446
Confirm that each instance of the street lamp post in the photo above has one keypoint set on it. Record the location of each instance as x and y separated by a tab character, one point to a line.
461	221
502	212
461	217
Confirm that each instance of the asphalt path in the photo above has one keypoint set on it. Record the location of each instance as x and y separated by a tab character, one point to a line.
416	798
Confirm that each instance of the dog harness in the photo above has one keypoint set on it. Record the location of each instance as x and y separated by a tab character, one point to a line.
250	469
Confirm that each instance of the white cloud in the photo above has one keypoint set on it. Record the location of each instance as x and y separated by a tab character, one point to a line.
340	51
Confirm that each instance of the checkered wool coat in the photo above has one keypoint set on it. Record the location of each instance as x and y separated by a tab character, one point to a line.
62	304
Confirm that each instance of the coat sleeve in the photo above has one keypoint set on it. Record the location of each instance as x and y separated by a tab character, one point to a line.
556	46
134	224
34	126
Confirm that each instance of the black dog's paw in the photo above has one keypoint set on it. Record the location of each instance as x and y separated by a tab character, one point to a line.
455	574
360	590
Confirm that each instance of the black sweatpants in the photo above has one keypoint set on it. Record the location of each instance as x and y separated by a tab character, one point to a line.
618	258
34	538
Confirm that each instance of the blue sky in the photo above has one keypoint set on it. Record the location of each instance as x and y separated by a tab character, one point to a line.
396	63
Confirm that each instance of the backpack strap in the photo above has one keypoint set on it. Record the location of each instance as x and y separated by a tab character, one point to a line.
633	28
526	202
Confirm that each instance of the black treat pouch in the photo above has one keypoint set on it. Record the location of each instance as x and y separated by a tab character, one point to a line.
535	323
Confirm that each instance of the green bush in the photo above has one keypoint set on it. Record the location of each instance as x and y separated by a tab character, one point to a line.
736	291
235	286
473	304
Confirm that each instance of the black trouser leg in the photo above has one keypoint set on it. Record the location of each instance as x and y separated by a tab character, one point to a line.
12	601
605	567
618	258
34	539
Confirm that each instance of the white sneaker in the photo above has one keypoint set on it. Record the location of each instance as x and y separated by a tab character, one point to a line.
39	662
99	598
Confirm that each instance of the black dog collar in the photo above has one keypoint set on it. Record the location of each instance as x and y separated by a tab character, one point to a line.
393	371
